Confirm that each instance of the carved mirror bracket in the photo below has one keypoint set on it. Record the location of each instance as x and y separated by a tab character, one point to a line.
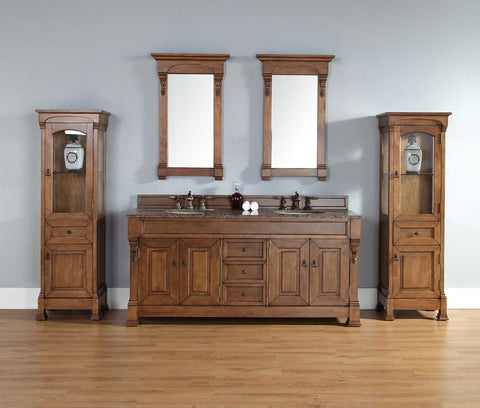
212	64
278	64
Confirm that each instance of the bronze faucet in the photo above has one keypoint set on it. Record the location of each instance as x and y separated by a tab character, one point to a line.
189	200
296	201
283	203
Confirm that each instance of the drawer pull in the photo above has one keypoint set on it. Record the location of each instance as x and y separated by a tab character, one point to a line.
244	271
304	263
417	233
69	232
314	263
244	249
244	294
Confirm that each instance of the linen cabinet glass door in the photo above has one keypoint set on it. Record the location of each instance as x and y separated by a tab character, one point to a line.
68	169
418	182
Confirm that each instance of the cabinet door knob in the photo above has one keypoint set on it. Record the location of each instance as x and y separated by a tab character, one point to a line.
184	262
244	271
314	263
244	294
47	172
174	262
395	257
244	249
416	233
396	174
47	256
304	263
69	232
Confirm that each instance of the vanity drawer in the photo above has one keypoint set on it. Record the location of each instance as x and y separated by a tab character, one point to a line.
416	233
236	295
244	249
243	272
68	231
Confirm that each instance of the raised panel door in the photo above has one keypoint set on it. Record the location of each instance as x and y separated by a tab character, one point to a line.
200	266
416	271
68	271
288	267
159	273
329	267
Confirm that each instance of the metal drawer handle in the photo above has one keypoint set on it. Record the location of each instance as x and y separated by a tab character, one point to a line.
244	294
244	249
416	233
244	271
69	232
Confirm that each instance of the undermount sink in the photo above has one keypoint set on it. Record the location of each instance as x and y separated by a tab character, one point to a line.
297	212
186	212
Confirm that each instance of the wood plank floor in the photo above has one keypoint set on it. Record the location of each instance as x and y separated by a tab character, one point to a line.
69	361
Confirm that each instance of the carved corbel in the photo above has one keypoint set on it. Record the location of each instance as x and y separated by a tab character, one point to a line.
268	84
354	243
133	253
218	85
163	82
322	83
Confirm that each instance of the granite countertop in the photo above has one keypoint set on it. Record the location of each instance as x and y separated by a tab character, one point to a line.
234	214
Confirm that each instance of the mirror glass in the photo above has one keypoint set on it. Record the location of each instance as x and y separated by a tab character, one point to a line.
294	121
190	120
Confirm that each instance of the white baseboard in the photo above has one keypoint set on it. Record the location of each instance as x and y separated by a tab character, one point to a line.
26	298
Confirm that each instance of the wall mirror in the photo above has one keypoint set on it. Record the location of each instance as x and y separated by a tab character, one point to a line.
294	115
190	114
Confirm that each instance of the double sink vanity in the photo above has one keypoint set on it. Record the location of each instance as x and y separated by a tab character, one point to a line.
217	262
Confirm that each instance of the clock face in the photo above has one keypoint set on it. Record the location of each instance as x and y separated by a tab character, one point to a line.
72	157
413	159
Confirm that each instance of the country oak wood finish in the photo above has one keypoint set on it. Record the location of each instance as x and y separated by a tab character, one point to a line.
278	64
73	214
411	274
178	363
191	64
221	264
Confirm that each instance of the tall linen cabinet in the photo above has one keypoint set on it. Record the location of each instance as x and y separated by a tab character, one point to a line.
73	211
412	192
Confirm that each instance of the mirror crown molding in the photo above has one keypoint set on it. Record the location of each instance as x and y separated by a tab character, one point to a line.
186	63
294	64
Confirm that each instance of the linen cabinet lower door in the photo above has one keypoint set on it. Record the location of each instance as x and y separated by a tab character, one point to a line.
329	272
68	271
158	278
416	272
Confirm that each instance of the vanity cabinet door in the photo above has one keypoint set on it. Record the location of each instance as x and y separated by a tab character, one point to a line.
158	266
288	266
329	272
200	266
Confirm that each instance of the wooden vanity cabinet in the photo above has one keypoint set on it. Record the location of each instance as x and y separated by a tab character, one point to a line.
73	211
411	275
223	264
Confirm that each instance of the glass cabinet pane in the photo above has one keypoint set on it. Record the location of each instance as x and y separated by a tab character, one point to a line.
417	173
69	175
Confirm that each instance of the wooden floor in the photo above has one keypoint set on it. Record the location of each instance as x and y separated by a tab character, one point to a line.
69	361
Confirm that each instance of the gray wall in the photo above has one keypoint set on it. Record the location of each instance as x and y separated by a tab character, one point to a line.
391	56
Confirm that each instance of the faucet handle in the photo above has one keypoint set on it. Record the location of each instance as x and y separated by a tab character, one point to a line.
308	203
203	201
283	203
296	201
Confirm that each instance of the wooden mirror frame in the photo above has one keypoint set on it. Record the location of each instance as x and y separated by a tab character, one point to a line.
280	64
191	64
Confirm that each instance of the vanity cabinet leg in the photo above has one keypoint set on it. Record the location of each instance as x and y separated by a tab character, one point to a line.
354	318
132	314
389	310
41	312
442	312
